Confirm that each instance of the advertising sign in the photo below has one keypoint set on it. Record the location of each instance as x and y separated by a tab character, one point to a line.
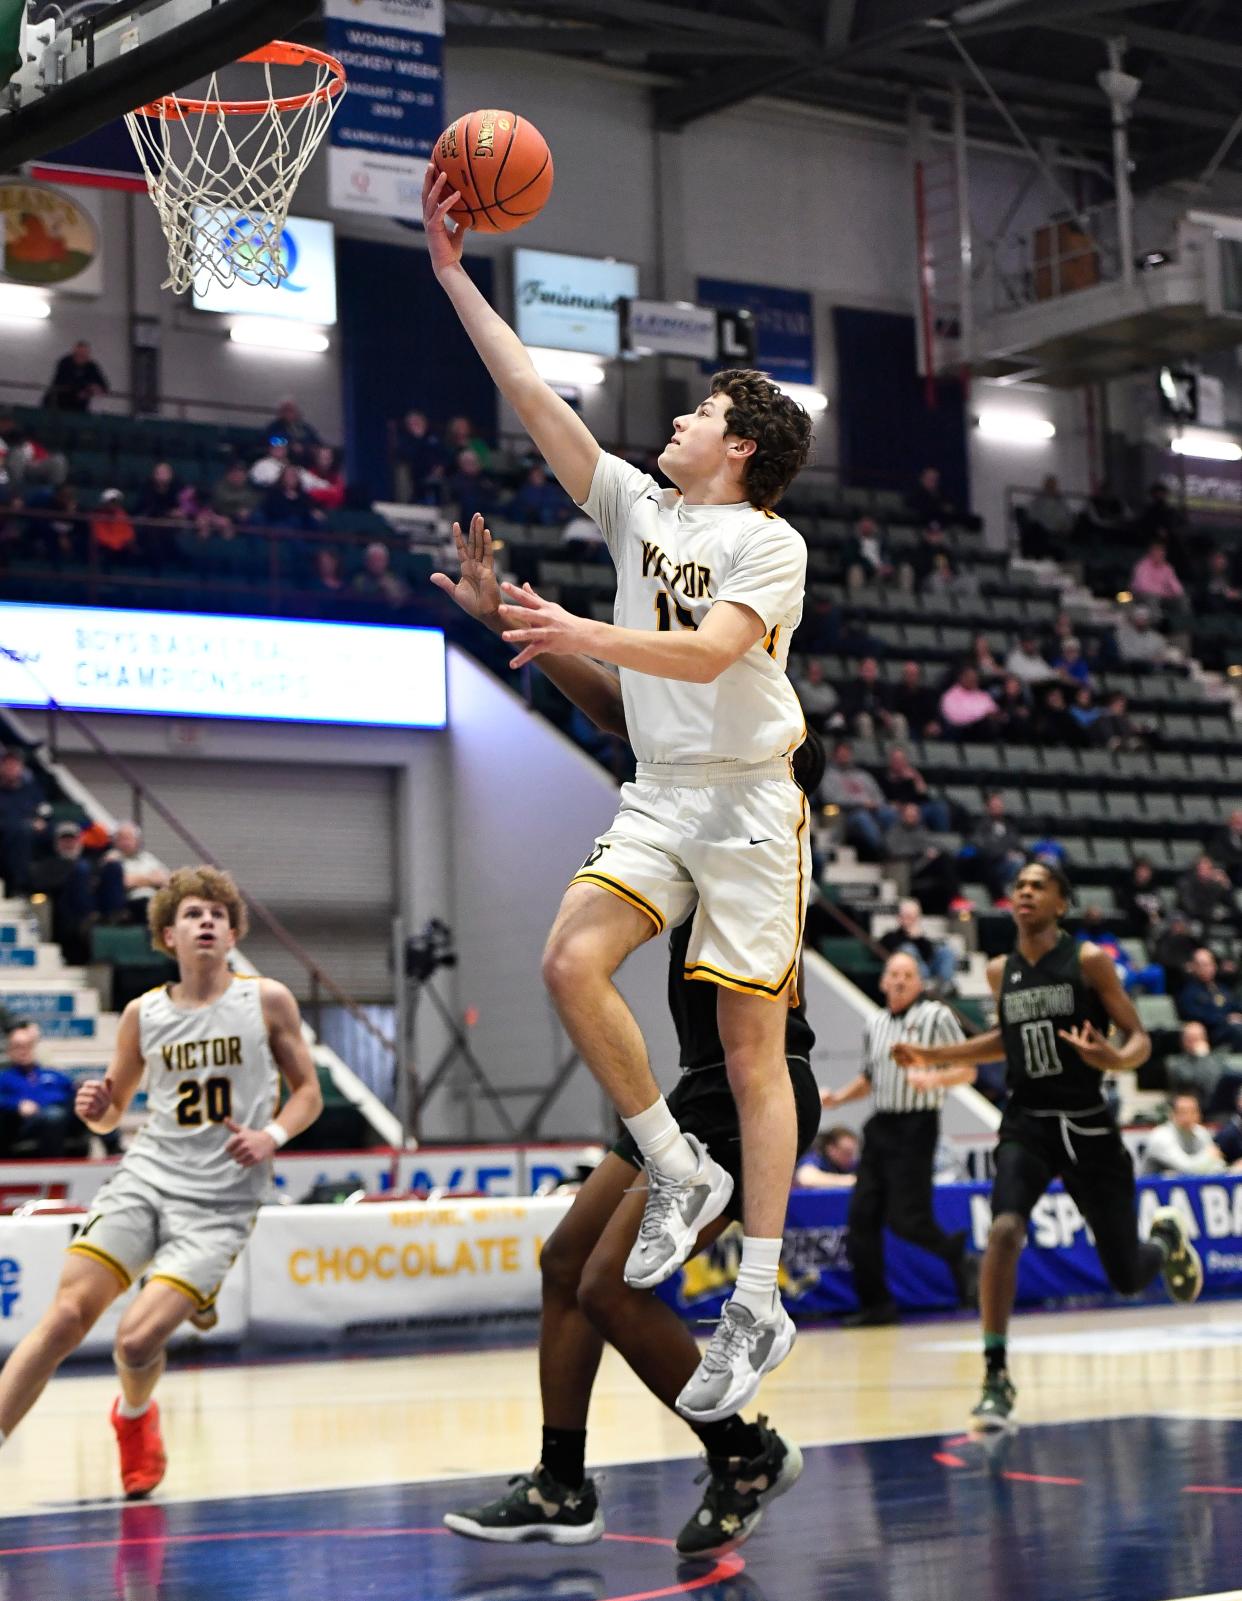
383	131
307	294
784	325
253	668
50	239
571	302
668	328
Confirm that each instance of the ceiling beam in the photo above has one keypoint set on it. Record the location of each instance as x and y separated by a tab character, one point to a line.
838	23
654	14
1163	41
588	41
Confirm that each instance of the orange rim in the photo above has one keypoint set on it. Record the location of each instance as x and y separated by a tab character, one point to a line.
280	53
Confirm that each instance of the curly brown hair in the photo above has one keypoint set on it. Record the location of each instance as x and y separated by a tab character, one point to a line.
203	883
780	427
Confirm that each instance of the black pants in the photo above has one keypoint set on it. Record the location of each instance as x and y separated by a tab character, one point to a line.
894	1190
1087	1153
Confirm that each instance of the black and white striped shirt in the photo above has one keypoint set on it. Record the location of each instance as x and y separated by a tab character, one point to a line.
923	1023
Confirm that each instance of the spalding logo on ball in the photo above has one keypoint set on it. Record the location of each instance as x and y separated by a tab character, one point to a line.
500	166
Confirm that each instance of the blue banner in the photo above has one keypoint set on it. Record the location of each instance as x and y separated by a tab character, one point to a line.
784	321
384	129
1059	1264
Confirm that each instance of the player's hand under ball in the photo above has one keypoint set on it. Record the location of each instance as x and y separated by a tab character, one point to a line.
444	237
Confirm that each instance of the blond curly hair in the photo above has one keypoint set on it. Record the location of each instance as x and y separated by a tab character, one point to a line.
202	883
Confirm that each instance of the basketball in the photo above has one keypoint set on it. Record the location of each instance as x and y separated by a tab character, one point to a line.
501	167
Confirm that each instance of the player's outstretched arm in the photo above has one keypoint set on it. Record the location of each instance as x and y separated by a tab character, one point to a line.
855	1090
1100	973
250	1146
563	439
592	688
101	1103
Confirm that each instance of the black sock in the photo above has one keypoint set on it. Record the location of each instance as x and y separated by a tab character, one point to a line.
730	1437
564	1453
995	1356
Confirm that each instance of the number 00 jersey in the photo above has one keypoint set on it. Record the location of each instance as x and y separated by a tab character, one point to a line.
1038	1000
674	562
204	1066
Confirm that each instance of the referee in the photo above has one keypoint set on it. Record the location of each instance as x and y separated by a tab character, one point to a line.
894	1187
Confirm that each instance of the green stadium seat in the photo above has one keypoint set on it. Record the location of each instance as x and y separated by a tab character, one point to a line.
1111	853
1042	802
131	946
1157	1011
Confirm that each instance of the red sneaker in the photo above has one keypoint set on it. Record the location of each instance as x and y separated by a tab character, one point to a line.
142	1450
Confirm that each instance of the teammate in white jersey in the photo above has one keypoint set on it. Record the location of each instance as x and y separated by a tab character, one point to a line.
709	590
182	1204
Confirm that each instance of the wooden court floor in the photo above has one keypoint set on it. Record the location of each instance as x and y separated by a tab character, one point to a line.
373	1449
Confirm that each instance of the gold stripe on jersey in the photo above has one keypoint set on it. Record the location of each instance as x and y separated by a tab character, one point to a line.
85	1248
755	986
623	892
202	1302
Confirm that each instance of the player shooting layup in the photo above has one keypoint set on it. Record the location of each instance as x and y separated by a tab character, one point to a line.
709	590
183	1202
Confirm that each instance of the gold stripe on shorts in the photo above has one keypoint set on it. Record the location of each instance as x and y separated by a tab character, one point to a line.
623	892
85	1248
202	1302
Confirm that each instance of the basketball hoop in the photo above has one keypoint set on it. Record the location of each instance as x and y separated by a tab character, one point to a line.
222	172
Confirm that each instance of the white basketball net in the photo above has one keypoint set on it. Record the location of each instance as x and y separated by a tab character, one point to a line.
223	182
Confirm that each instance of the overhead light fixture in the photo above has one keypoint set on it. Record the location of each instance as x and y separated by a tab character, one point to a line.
27	304
1207	446
815	400
572	368
1016	427
272	333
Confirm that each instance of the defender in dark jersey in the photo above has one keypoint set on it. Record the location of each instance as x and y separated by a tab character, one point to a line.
585	1300
1055	1002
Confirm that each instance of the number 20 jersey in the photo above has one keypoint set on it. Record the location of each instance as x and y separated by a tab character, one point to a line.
1037	1000
203	1066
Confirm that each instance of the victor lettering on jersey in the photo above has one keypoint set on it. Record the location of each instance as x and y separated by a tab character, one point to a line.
224	1051
689	578
1047	1000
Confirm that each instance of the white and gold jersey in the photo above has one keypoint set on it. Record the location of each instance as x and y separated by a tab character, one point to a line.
674	562
203	1066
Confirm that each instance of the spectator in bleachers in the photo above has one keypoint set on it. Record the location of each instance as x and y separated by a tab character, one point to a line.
936	961
1140	900
1048	521
832	1162
377	582
1229	1137
540	502
1116	729
866	706
77	381
1174	947
1070	665
998	848
931	872
1026	661
904	785
865	555
60	534
1154	580
1054	725
141	870
470	489
32	466
818	697
1202	1000
21	802
1148	979
1137	640
1205	892
419	458
1013	701
966	709
925	559
324	479
929	503
265	473
1086	714
917	702
36	1103
1199	1066
984	659
944	580
1218	592
329	579
160	495
1182	1146
1225	847
860	800
1160	520
234	499
112	530
1104	514
459	435
287	505
290	425
80	892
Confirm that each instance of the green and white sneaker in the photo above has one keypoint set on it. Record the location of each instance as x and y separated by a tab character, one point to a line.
737	1492
994	1412
536	1507
1183	1270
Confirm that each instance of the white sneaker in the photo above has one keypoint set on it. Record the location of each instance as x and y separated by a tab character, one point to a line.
741	1351
677	1211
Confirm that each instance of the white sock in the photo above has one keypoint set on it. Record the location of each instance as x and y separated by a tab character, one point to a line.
756	1277
124	1410
662	1143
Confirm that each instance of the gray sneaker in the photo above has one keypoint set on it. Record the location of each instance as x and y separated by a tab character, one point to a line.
1183	1269
676	1212
740	1352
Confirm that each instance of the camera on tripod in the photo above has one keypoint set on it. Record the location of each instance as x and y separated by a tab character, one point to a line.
429	950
